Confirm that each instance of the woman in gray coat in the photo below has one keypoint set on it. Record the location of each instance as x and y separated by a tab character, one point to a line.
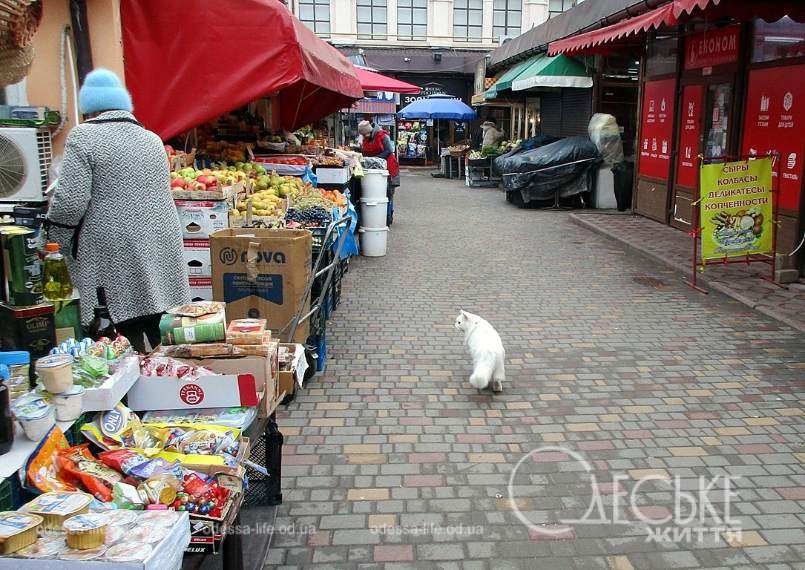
113	215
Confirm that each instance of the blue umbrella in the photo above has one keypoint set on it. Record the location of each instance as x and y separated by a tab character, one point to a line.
438	106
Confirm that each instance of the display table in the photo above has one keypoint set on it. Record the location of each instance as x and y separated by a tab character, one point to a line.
479	173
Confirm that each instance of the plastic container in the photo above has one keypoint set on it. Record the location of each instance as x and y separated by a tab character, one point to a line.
374	241
35	415
374	184
19	367
57	506
68	404
374	212
86	531
56	372
17	530
56	283
6	417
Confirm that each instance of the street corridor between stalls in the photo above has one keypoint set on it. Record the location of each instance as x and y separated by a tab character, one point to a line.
619	378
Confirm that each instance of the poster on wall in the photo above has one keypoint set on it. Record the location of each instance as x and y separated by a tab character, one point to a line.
774	120
656	128
691	128
736	208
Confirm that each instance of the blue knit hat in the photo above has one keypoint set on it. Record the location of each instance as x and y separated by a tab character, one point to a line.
103	91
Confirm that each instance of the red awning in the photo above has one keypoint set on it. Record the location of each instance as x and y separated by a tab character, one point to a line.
373	81
664	15
191	61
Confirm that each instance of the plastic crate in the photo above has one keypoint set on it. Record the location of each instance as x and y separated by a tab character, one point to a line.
74	435
262	490
12	495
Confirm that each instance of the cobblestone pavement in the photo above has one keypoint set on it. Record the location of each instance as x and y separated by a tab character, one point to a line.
672	247
397	462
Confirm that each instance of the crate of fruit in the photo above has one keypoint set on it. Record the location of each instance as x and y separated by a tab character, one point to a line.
284	164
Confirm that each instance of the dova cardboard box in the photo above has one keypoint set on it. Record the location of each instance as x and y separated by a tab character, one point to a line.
262	274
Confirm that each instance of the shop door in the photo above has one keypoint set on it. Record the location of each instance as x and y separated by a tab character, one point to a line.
704	129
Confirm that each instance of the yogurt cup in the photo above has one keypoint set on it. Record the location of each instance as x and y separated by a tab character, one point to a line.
56	372
68	404
35	415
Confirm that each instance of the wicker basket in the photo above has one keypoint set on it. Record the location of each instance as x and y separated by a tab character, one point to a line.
19	20
15	64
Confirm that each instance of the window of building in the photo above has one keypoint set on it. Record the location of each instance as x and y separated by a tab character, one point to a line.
468	18
412	19
372	19
663	52
556	7
778	40
506	18
315	14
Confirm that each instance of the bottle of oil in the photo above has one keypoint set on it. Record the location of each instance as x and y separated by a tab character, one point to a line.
56	282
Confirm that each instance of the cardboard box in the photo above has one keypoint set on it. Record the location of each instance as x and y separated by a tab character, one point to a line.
218	390
107	395
200	218
200	288
262	273
288	377
197	257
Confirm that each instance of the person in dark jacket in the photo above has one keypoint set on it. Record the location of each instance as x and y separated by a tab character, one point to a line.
377	142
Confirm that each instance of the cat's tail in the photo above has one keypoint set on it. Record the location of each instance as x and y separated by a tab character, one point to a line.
482	374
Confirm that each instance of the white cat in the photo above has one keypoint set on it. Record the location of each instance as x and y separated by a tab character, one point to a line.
484	345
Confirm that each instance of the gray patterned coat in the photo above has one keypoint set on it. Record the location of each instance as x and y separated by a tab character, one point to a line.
115	177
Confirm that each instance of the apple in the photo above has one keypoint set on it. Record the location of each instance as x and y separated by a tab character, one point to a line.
178	183
198	186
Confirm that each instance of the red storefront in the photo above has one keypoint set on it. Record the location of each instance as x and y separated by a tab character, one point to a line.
717	79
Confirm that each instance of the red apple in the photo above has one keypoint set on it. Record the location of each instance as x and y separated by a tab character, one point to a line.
177	183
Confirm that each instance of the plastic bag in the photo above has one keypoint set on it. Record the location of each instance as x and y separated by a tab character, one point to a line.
606	136
41	470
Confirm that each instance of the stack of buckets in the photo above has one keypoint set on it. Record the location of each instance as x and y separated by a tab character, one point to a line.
374	207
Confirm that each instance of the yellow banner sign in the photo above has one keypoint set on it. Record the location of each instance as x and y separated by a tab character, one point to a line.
736	208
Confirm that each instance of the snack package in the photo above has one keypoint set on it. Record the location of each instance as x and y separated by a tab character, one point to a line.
199	322
77	466
201	442
41	471
246	331
167	366
125	496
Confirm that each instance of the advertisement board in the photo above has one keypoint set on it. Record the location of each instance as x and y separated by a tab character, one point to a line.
656	128
736	208
690	131
774	121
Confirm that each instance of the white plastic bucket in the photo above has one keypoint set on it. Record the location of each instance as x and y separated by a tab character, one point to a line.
374	183
374	241
373	212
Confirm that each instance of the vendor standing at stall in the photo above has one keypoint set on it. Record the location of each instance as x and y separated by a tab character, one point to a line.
378	143
114	217
491	133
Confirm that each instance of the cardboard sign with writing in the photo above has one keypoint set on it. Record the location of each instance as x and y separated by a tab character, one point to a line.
262	274
736	208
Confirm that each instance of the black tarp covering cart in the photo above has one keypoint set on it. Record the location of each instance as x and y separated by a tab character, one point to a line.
557	170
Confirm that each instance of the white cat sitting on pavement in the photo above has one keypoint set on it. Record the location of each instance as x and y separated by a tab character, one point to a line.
484	345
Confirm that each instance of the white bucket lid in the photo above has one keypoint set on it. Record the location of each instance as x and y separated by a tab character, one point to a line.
374	201
375	171
362	229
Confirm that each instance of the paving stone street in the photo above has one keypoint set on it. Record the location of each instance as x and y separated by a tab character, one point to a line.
629	378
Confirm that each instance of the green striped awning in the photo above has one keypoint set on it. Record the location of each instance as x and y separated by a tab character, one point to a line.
505	81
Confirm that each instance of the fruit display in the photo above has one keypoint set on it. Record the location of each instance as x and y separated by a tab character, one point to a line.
314	216
179	159
287	160
268	200
329	162
205	179
458	150
226	151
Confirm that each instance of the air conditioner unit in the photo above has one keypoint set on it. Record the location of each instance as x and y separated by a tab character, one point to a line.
25	155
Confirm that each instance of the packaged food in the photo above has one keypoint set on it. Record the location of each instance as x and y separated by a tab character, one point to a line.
165	519
205	350
68	404
56	507
123	460
18	362
167	366
86	531
35	415
41	470
77	465
159	490
125	496
119	518
84	554
239	417
48	546
247	331
17	530
200	322
56	372
129	552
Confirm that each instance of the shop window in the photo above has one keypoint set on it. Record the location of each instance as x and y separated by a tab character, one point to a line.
315	14
556	7
662	56
372	19
412	19
468	18
782	39
507	17
716	119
